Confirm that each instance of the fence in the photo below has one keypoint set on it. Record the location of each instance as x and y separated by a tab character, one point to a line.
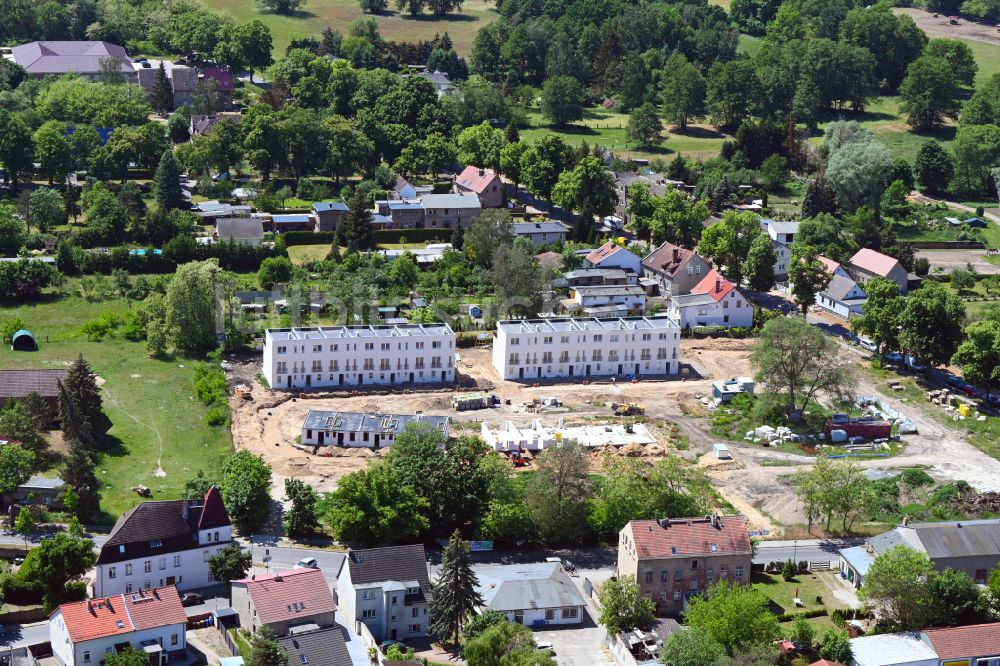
946	245
227	639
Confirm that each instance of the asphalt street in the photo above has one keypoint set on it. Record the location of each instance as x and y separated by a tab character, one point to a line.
811	550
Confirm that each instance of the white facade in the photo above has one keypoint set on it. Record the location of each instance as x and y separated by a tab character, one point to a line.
170	638
362	430
186	569
782	257
330	356
586	347
632	297
511	438
732	310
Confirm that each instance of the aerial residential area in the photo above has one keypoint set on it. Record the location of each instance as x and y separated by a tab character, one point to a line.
500	333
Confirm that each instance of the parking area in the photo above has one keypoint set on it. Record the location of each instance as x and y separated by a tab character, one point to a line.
578	646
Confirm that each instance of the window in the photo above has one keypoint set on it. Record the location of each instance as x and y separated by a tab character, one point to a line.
678	575
713	547
549	615
663	597
739	572
649	576
112	573
177	561
86	656
694	564
395	600
677	596
173	639
368	614
128	588
414	629
570	613
163	563
204	556
416	612
368	594
663	576
980	575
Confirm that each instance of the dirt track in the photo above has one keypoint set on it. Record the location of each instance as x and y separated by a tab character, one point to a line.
940	27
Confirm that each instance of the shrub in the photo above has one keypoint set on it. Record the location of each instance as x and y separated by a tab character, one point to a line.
803	567
217	416
97	329
916	478
788	570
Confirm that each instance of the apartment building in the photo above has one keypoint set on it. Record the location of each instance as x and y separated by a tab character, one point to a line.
330	356
586	347
674	559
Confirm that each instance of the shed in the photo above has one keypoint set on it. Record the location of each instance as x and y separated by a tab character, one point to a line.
23	340
722	451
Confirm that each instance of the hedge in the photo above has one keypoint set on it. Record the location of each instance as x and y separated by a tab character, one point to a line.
413	235
815	612
308	237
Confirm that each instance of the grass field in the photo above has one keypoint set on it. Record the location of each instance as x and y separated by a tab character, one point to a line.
156	419
806	587
318	14
303	254
607	128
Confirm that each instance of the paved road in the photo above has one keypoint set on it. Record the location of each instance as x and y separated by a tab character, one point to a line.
813	550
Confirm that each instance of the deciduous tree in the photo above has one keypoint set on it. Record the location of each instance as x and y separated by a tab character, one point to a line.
372	507
300	518
562	100
879	319
645	126
557	492
896	587
190	300
758	267
682	91
929	93
246	490
624	607
933	167
735	616
728	242
931	324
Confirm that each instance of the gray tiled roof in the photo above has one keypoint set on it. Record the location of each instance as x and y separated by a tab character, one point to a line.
62	57
839	287
392	563
325	647
240	228
371	422
519	586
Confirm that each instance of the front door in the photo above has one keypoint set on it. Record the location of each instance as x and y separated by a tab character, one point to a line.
320	437
309	380
571	371
392	635
340	379
619	368
289	382
411	377
636	369
519	618
588	370
340	439
520	373
392	378
376	440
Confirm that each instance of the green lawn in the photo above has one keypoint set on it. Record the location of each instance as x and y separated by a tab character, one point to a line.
607	128
316	15
156	419
806	587
303	254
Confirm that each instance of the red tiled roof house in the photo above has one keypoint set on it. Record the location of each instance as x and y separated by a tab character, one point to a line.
977	644
867	264
715	301
151	621
284	600
612	255
674	559
484	183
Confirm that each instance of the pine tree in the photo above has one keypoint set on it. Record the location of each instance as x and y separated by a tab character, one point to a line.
167	182
82	385
71	202
358	224
162	99
819	198
455	595
78	472
75	426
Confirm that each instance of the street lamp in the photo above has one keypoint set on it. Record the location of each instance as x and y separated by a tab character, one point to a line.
795	552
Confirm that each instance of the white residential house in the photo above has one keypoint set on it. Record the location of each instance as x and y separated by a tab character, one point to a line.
632	298
387	589
362	430
586	347
782	235
163	543
715	301
534	594
151	621
390	354
612	255
541	233
843	297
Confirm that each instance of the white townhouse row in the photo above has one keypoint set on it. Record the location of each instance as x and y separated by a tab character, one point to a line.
329	356
586	347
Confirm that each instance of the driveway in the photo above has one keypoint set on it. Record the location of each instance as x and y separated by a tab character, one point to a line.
578	646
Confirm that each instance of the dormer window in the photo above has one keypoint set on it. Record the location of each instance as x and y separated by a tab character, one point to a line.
156	543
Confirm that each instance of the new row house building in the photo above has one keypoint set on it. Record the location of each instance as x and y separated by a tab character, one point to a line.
586	347
362	430
332	356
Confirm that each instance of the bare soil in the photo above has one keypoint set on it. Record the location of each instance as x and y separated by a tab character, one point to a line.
940	27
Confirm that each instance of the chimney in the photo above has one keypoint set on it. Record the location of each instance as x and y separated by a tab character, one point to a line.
677	255
906	521
718	284
482	172
277	578
664	522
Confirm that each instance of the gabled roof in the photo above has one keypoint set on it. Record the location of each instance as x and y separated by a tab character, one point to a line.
667	259
961	538
830	265
714	284
19	383
324	206
839	287
873	262
222	77
684	537
977	640
291	218
289	595
122	614
325	647
392	563
515	587
61	57
450	201
604	252
167	526
475	179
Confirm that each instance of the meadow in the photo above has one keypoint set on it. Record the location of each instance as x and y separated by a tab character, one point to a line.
156	420
316	15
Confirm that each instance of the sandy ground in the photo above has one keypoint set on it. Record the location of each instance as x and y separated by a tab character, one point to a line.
757	483
939	26
949	260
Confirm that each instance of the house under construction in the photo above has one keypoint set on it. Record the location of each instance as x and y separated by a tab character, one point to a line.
361	429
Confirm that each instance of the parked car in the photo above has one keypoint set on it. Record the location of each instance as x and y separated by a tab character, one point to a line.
915	364
544	645
307	563
969	390
954	381
867	344
894	357
191	599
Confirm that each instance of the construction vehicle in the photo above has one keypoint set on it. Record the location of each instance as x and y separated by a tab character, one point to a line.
518	459
627	409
